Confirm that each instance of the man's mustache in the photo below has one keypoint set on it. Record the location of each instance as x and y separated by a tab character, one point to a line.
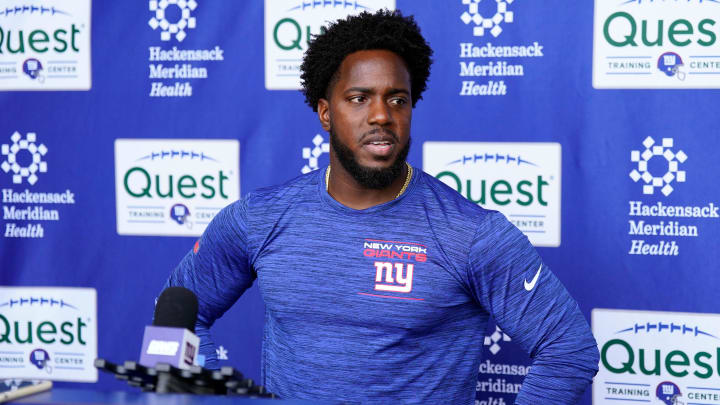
385	131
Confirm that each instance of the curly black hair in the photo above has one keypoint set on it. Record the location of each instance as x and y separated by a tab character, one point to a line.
388	30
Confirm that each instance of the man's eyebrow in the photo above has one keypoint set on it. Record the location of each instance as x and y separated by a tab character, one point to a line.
398	90
368	90
359	90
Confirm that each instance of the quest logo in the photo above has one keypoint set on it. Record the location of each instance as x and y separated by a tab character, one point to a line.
656	357
641	44
521	180
45	45
173	187
48	333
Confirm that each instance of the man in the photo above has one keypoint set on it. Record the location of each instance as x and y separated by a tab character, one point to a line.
378	280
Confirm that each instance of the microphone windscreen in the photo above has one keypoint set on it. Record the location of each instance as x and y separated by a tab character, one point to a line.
176	307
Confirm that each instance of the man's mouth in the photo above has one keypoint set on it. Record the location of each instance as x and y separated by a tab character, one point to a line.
379	145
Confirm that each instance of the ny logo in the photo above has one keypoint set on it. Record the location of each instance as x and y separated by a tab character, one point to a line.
401	282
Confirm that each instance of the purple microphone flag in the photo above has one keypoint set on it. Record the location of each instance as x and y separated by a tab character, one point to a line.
175	346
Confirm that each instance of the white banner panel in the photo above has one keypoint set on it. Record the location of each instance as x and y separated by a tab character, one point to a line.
174	187
657	357
48	333
45	45
519	179
656	44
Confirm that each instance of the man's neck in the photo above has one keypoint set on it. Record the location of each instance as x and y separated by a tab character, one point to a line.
343	187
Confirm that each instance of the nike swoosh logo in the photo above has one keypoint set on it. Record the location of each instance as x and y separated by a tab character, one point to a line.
529	286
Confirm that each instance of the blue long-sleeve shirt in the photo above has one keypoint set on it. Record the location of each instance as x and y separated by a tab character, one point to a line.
390	303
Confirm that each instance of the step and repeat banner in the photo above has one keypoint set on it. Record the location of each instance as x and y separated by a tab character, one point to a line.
126	126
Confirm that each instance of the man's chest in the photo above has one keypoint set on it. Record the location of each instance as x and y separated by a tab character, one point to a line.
360	274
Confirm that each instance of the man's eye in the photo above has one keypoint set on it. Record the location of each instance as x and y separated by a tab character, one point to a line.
398	101
356	99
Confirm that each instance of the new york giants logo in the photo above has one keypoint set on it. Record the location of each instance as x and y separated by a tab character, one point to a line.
394	264
400	282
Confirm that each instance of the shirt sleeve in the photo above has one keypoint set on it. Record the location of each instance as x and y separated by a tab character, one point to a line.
509	279
217	270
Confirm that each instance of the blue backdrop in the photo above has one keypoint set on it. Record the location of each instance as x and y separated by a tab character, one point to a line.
552	101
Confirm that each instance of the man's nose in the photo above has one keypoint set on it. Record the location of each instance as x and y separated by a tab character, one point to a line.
379	113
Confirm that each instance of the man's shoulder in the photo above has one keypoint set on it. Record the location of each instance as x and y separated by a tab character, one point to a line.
292	191
450	198
456	218
260	209
259	204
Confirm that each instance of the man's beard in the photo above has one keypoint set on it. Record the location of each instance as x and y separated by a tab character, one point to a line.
368	177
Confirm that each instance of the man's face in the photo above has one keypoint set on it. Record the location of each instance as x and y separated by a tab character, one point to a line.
368	116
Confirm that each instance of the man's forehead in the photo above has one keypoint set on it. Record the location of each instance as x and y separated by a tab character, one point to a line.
373	68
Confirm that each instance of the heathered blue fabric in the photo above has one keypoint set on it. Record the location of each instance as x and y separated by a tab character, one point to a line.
330	334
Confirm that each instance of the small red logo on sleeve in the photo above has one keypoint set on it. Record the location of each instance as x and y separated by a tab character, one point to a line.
197	246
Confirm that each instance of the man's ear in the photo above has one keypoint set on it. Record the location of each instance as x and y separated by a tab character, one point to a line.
323	111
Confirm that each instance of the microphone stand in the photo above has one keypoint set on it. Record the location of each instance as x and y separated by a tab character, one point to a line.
164	379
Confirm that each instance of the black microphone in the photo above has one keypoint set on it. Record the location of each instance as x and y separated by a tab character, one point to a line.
171	339
177	307
169	361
